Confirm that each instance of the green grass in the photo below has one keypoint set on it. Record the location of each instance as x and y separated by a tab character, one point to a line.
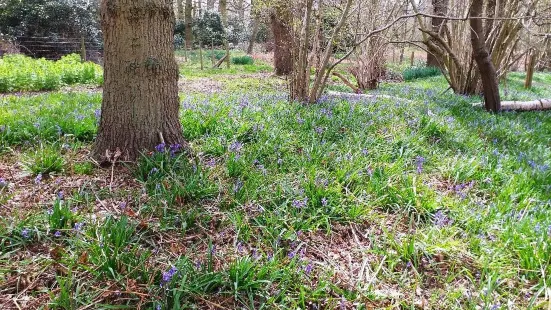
22	73
376	202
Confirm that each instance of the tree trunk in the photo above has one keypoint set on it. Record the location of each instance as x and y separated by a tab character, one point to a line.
483	60
440	8
530	70
250	48
180	8
189	24
280	21
140	92
210	5
223	10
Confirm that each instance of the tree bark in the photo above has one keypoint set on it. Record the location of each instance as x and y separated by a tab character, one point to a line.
223	10
140	92
189	24
250	47
483	59
180	8
530	70
210	5
440	8
280	21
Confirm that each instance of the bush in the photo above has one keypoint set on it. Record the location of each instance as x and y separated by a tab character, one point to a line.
242	60
413	73
22	73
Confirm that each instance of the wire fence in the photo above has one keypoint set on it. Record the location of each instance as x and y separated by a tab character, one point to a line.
53	48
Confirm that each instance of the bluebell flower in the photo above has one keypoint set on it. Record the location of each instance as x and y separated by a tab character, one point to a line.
419	161
3	183
25	233
236	147
57	234
78	227
160	148
38	179
300	203
167	276
324	202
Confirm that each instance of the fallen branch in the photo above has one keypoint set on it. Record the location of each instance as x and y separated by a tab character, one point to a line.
347	82
534	105
220	62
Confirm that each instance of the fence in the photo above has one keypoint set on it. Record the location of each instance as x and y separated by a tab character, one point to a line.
54	48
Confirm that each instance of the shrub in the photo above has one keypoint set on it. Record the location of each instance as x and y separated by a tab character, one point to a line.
243	60
420	72
22	73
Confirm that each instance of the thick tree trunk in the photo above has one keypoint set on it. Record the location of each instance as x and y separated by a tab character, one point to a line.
280	21
440	8
140	92
483	60
189	24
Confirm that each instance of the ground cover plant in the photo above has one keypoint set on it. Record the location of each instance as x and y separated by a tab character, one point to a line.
421	200
22	73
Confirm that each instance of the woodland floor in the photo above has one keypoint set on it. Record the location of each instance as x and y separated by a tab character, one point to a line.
426	202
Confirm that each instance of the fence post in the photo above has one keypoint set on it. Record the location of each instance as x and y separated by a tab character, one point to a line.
412	61
201	53
82	49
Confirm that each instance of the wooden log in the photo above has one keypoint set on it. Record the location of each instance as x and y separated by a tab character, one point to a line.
347	82
220	62
532	105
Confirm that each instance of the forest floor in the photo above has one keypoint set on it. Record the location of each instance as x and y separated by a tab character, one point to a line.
423	201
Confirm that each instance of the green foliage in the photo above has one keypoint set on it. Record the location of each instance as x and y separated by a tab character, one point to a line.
242	60
60	217
420	72
169	175
47	159
22	73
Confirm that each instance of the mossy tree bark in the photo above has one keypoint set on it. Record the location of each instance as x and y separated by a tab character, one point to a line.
140	93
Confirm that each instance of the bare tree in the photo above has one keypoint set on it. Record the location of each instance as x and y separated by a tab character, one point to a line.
189	23
482	57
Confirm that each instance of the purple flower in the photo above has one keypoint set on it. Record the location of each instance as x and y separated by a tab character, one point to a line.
365	152
237	186
160	148
419	162
441	220
3	183
308	269
324	202
158	307
279	161
174	148
50	211
292	254
57	234
300	120
25	233
78	227
167	276
319	130
60	195
236	147
300	203
97	114
153	171
38	179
